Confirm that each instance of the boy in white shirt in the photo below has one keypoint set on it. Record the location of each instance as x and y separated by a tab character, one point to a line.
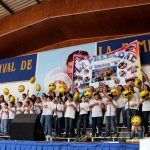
83	114
27	107
47	115
19	109
131	107
38	105
110	114
58	115
96	108
12	112
4	119
70	109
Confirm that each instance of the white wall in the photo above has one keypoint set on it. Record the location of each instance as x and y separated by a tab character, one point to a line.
13	88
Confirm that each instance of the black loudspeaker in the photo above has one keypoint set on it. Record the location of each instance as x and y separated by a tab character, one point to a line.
27	127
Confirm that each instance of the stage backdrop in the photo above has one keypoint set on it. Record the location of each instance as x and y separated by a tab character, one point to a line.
17	71
111	45
57	65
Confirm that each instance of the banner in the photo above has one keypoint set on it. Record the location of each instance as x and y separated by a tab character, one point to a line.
104	47
56	66
114	68
17	68
117	67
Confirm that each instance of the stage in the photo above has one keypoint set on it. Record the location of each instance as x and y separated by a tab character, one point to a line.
29	145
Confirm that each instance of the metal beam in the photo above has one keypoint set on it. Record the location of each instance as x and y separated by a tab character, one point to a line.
38	1
6	7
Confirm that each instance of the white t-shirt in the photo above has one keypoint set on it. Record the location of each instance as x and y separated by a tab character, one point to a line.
4	114
59	107
44	107
50	108
120	102
2	105
38	107
19	110
146	105
26	110
111	110
97	109
132	101
12	112
70	112
83	108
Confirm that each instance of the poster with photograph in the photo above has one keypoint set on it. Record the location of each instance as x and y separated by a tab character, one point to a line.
81	72
117	67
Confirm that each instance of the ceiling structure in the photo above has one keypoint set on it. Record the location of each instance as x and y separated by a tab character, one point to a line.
58	23
8	7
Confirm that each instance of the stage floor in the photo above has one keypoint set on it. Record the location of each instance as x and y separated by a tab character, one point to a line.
29	145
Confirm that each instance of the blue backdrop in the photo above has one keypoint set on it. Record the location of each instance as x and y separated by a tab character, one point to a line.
144	45
17	68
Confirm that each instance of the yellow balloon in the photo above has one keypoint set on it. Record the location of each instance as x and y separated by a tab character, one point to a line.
21	88
137	83
76	96
32	80
136	121
62	89
6	91
12	99
52	86
88	94
144	94
38	87
114	92
127	94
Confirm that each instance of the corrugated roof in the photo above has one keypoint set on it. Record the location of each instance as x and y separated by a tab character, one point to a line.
8	7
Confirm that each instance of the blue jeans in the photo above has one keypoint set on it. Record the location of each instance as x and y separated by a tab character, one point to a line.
81	119
69	126
111	124
9	124
133	134
130	113
118	111
4	126
146	115
96	122
46	121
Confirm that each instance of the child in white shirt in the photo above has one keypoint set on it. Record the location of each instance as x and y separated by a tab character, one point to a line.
96	108
47	115
110	114
70	110
19	109
4	119
58	115
83	114
27	107
12	112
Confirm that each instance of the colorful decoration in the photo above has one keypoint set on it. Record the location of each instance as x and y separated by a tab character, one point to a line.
38	87
138	83
6	91
52	86
32	80
21	88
